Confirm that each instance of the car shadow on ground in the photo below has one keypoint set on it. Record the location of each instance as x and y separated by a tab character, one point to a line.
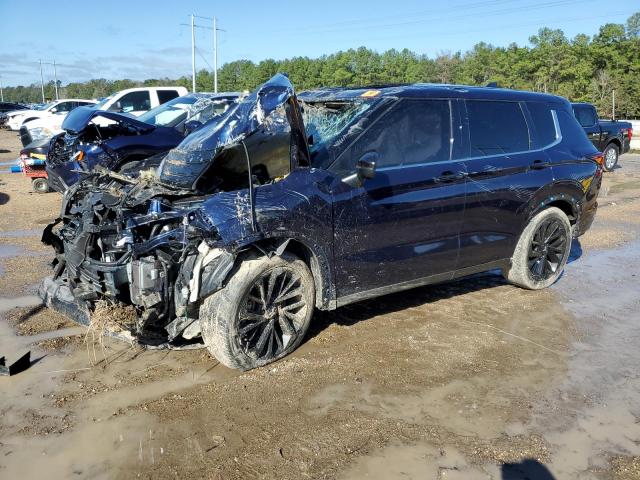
394	302
576	250
27	314
527	469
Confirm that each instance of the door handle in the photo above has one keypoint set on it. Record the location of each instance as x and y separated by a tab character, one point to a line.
450	176
539	165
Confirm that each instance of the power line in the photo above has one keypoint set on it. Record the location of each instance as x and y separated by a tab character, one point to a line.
508	26
203	58
448	9
215	31
429	19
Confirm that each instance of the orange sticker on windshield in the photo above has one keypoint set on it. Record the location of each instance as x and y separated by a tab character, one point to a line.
371	93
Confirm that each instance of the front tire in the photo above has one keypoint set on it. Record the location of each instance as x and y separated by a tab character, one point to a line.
262	314
542	250
611	154
40	185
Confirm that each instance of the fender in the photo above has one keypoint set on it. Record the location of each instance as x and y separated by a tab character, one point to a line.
567	192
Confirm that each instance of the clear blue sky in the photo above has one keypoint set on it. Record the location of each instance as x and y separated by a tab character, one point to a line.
144	39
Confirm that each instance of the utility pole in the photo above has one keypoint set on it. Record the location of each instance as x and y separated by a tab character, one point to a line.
215	30
193	53
55	77
1	94
41	81
613	105
215	56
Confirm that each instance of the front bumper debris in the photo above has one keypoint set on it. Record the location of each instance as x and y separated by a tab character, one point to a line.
57	295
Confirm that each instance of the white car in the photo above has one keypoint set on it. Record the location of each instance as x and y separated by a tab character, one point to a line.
59	108
136	101
132	101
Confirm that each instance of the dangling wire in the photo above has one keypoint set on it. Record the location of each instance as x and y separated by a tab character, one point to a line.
251	197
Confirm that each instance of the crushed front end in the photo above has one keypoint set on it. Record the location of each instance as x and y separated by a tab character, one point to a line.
113	243
162	239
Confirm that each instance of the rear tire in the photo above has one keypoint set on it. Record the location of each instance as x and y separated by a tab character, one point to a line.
262	314
611	154
542	250
40	185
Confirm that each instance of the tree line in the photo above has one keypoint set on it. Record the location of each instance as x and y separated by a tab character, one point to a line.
583	68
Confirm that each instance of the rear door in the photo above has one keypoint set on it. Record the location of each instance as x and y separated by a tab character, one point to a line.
505	169
402	225
588	119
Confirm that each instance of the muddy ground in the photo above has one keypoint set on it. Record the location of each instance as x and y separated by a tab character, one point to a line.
474	379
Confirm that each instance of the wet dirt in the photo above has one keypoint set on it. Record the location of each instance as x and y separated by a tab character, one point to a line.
472	379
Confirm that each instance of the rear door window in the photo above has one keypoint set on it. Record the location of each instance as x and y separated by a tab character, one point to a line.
585	114
496	127
64	107
166	95
133	102
412	132
543	123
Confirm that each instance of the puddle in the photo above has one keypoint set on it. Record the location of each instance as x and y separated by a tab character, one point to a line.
8	251
602	383
21	233
419	462
61	333
586	413
622	187
101	422
7	304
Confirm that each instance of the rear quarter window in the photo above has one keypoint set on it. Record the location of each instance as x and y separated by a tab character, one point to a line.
166	95
496	127
542	123
572	131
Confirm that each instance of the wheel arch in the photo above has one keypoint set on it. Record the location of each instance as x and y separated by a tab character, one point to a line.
616	141
310	254
564	195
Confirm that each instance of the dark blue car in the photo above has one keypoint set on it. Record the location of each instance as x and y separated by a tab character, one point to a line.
289	204
115	141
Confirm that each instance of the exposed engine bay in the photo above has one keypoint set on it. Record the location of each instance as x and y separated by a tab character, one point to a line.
151	239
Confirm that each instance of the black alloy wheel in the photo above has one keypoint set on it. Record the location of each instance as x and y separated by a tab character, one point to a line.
548	248
272	315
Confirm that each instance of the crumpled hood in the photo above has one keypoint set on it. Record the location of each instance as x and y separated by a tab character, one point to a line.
188	161
78	119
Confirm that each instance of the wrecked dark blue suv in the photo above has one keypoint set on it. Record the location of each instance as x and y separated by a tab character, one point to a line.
289	204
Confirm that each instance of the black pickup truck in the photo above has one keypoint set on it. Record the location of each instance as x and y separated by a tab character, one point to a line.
611	138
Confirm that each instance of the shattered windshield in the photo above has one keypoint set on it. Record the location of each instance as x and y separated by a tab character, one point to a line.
200	107
324	122
329	124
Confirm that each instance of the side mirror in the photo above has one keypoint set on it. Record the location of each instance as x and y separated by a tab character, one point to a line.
366	166
117	106
191	125
365	170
